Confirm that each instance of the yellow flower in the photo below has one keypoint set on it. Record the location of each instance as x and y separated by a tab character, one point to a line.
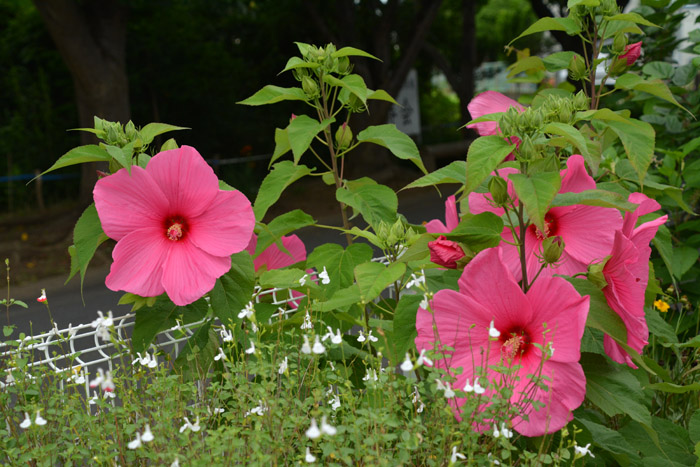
661	305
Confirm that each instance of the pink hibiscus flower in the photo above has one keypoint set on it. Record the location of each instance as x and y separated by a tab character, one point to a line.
632	53
175	229
627	274
451	218
490	102
445	252
551	315
274	258
587	231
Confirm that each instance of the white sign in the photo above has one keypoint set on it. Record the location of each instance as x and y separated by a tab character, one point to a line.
407	116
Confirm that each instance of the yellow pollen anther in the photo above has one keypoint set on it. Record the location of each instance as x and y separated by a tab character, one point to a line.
512	347
174	232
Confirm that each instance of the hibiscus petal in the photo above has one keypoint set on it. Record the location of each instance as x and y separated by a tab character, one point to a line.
559	306
274	258
436	226
451	216
616	352
138	260
588	231
487	103
575	179
187	181
129	202
189	273
226	225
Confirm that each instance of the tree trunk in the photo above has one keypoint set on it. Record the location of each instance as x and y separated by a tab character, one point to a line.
91	38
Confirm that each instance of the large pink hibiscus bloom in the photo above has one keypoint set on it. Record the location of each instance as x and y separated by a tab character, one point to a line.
451	218
551	314
627	274
175	229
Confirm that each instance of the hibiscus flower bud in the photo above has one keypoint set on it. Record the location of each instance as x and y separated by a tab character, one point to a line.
343	136
581	102
595	273
445	252
619	43
552	248
498	188
632	53
309	87
344	65
577	68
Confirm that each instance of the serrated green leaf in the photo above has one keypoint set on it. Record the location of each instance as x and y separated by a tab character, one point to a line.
602	198
655	87
121	155
675	388
454	172
280	226
654	190
372	278
381	95
352	52
79	155
483	157
536	192
353	83
571	134
632	17
233	290
478	231
662	242
405	326
150	131
527	64
601	114
87	236
282	145
684	257
302	131
375	202
286	278
600	315
280	177
567	25
339	262
296	62
398	143
694	427
272	94
638	140
342	298
559	60
609	440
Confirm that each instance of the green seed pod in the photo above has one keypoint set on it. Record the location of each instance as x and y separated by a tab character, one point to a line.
552	249
595	273
581	101
309	87
343	136
577	68
498	188
619	43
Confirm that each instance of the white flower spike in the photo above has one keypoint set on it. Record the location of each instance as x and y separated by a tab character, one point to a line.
371	337
335	402
407	364
478	389
306	347
250	350
581	451
27	422
147	436
135	444
310	458
323	275
307	324
283	366
468	387
226	335
313	432
318	348
456	455
493	332
39	420
326	428
220	355
361	337
423	360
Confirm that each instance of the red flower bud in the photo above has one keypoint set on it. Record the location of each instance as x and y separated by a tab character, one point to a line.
632	53
445	252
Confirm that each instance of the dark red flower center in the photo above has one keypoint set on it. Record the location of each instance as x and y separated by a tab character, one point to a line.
551	227
514	343
175	228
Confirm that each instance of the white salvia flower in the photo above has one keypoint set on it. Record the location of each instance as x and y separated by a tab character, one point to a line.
253	326
425	302
307	324
135	444
468	387
247	312
361	337
581	451
371	337
493	332
302	280
189	425
27	422
259	410
323	275
456	455
219	410
250	350
371	374
154	361
94	398
176	463
226	335
318	348
102	325
107	384
331	365
335	402
478	389
494	460
496	433
283	366
313	432
326	428
336	338
306	347
449	393
98	379
423	360
505	432
407	365
147	436
39	420
146	360
416	399
220	355
415	281
550	350
309	457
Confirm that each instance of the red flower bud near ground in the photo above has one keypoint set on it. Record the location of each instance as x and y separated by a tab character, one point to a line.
445	252
632	53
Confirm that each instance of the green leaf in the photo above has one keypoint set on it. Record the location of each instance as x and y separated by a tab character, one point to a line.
536	192
694	427
150	131
353	83
567	25
381	95
527	64
302	131
655	87
483	157
169	144
615	390
664	444
121	155
478	231
198	353
675	388
366	234
352	52
280	177
662	242
287	278
233	290
572	3
654	190
684	74
372	278
684	257
339	262
454	172
405	325
341	299
638	140
162	315
87	236
601	114
559	60
572	136
602	198
282	145
296	62
660	70
600	315
375	202
632	17
609	440
282	225
271	94
398	143
80	155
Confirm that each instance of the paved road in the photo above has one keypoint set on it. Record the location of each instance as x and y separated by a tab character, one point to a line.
67	307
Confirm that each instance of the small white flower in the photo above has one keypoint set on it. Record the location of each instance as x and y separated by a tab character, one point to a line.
259	410
135	444
309	457
326	428
468	387
219	410
496	433
425	303
147	435
226	335
361	337
250	350
407	364
306	347
253	326
146	360
98	379
336	338
247	312
416	400
313	432
493	332
449	393
335	402
107	384
189	425
423	360
220	355
370	375
478	389
325	279
94	398
307	324
39	420
318	348
283	366
42	298
102	325
495	461
581	451
415	281
456	455
550	350
27	422
505	432
176	463
302	280
371	337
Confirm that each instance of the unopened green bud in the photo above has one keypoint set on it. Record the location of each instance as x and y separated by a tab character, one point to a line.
581	101
309	87
398	229
577	68
552	249
344	65
343	136
595	273
498	188
528	151
382	230
565	112
112	135
355	104
130	130
536	118
619	43
299	73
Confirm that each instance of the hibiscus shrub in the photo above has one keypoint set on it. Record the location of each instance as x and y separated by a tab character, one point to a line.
527	311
